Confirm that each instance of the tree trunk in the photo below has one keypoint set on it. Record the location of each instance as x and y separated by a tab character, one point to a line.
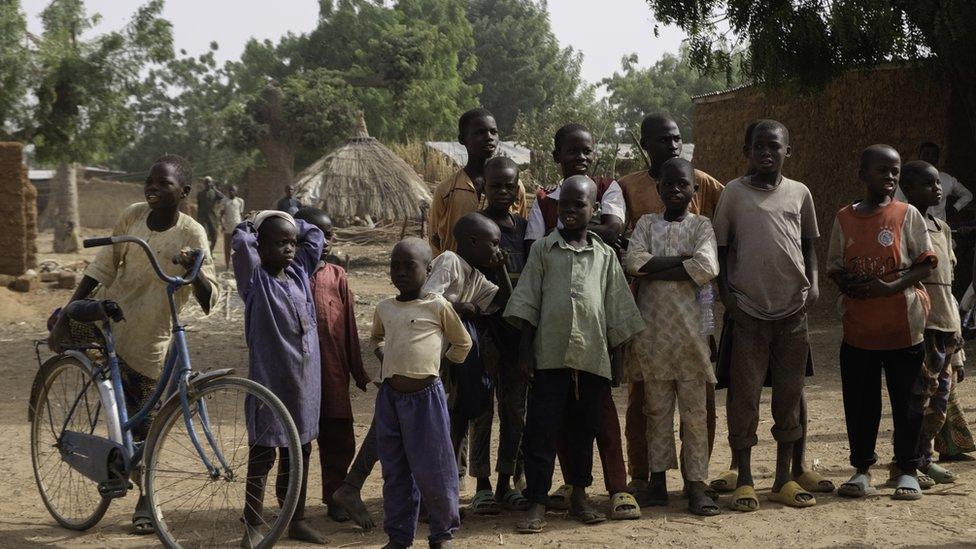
66	220
279	160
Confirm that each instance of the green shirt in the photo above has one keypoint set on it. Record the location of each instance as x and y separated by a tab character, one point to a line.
579	302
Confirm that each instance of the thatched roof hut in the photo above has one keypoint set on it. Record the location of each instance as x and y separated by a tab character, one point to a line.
363	178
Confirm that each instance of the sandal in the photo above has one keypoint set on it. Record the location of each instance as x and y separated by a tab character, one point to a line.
941	475
812	481
588	516
725	482
857	487
530	526
142	524
742	497
513	500
907	489
703	506
623	506
484	503
791	494
925	482
559	500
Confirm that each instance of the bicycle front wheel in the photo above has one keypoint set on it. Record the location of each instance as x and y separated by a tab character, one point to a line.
192	507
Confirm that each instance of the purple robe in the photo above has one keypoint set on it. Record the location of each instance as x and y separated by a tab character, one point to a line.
282	340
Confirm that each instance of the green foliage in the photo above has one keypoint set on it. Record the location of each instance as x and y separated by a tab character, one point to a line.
15	66
521	68
665	87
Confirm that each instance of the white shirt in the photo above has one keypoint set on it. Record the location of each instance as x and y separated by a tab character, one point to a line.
950	187
612	203
451	277
231	213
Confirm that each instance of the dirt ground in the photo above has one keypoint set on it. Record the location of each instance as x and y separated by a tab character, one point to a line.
945	517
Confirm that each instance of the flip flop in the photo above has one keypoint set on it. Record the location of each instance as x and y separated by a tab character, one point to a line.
741	496
559	500
484	503
142	524
725	482
857	487
907	489
925	482
623	506
812	481
532	526
941	475
789	495
513	500
704	506
588	516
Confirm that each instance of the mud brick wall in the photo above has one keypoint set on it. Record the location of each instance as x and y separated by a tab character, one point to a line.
18	213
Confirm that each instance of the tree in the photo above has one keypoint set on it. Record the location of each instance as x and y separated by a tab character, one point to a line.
86	87
521	68
666	86
15	66
811	42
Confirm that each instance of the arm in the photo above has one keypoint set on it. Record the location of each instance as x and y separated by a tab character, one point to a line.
244	243
434	220
962	194
526	360
918	246
354	354
722	280
310	243
84	289
459	342
613	209
377	336
609	229
810	268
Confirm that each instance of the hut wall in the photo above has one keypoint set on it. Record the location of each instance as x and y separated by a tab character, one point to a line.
18	216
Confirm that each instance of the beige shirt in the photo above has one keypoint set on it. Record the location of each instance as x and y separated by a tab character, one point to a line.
452	277
414	335
944	315
763	230
127	277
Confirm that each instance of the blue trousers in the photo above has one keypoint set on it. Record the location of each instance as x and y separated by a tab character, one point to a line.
413	440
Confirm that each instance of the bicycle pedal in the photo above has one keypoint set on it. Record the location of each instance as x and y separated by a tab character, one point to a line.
114	488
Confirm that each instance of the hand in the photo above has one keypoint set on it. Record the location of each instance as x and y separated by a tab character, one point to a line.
870	289
960	373
498	258
364	385
187	257
813	294
526	364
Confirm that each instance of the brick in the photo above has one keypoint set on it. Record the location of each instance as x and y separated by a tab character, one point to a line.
25	284
67	280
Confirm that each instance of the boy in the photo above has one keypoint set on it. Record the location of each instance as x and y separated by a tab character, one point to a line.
880	251
955	195
464	192
673	255
340	358
273	256
412	425
572	305
122	273
456	277
231	212
765	227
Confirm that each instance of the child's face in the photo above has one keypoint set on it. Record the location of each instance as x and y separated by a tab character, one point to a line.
662	143
162	189
923	189
501	188
676	187
232	192
575	155
277	243
480	137
575	207
481	245
881	173
289	191
408	269
325	225
769	151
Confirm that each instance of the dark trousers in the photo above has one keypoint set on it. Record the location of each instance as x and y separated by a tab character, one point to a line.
557	398
337	446
511	390
609	445
860	372
365	460
413	440
260	459
476	435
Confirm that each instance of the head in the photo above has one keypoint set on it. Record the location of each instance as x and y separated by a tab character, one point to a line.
289	191
880	168
277	240
501	183
208	182
770	147
232	191
661	138
676	184
921	185
478	132
318	218
477	239
747	146
573	149
410	264
929	152
577	202
168	182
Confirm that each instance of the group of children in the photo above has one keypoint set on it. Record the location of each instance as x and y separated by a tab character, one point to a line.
542	312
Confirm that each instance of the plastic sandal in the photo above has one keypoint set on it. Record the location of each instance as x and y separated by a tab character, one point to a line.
484	503
812	481
725	482
513	500
619	504
857	487
789	495
744	494
559	500
908	489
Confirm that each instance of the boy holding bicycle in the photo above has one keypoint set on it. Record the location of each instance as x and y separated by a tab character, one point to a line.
122	273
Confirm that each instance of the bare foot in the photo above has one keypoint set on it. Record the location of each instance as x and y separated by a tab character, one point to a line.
337	514
301	530
348	499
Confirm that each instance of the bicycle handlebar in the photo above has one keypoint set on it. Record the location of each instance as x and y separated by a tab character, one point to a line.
174	280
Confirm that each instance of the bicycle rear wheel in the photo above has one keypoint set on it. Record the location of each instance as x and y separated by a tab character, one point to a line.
66	399
191	507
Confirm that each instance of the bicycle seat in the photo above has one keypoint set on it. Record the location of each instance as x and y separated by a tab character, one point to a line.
75	324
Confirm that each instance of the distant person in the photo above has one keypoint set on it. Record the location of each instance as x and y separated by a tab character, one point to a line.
288	203
207	201
464	192
955	195
231	213
880	251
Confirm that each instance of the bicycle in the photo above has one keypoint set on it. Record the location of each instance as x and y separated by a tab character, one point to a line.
82	446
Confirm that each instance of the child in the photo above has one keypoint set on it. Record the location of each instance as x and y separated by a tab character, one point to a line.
122	273
673	255
273	257
879	253
765	227
572	305
412	426
231	212
341	357
464	192
921	187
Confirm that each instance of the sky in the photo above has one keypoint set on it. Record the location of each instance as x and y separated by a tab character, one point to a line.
604	34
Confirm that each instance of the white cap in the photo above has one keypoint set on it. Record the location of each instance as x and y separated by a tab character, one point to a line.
264	215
